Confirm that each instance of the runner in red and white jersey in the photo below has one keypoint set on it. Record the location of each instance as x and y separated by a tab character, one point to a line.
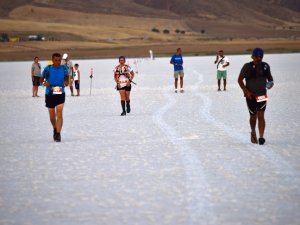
123	75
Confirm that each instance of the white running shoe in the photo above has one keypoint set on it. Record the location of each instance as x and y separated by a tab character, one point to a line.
181	90
175	90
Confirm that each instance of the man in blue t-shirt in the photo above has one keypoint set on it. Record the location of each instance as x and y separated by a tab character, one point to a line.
56	78
177	61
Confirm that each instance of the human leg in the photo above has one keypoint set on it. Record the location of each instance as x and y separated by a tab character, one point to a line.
252	121
261	126
176	83
128	101
181	83
52	116
123	99
251	104
71	80
59	117
224	75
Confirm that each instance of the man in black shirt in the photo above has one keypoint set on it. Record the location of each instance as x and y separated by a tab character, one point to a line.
258	79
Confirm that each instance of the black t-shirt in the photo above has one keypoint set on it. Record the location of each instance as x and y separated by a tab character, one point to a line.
256	77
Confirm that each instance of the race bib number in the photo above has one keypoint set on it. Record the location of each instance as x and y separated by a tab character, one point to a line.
57	90
123	83
262	98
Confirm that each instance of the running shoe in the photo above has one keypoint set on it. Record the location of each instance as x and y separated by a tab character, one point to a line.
54	133
175	90
261	141
57	137
128	108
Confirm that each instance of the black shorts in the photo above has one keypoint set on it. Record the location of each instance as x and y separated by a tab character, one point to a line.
77	85
53	100
125	88
254	106
36	81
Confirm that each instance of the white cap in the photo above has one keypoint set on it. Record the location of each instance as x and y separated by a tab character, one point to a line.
65	56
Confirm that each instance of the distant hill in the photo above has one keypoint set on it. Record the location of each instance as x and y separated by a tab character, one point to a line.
218	18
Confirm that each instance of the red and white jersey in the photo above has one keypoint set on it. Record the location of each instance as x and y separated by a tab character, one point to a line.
123	72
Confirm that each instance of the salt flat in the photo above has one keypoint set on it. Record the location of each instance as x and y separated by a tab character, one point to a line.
175	159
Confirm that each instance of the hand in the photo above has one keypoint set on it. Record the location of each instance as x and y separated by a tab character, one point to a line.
46	84
128	83
249	95
270	85
118	85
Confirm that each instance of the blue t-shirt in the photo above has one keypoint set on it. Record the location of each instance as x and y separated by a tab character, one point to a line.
55	76
177	59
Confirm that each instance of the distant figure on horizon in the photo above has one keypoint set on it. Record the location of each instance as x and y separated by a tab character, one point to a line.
177	61
222	63
151	54
36	76
66	61
258	78
123	75
56	78
77	79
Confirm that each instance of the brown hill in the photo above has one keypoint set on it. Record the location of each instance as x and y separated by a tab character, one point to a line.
94	26
218	18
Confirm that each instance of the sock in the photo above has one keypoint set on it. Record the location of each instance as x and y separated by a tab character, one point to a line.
123	105
127	103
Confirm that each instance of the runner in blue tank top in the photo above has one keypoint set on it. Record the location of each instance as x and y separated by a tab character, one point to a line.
56	78
177	61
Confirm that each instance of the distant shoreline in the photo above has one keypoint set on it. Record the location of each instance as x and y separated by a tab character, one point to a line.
26	51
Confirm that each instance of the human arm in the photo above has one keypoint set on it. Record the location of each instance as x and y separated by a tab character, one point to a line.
32	73
66	81
116	77
270	80
226	64
247	93
217	58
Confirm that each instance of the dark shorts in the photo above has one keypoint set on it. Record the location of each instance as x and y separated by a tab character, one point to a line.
125	88
254	106
77	86
53	100
36	81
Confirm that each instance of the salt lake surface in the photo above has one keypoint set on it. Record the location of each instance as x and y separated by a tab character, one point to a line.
175	159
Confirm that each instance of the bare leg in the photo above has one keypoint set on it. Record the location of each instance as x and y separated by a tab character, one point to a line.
253	126
253	122
219	84
224	80
176	83
261	123
181	82
52	117
71	89
59	117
